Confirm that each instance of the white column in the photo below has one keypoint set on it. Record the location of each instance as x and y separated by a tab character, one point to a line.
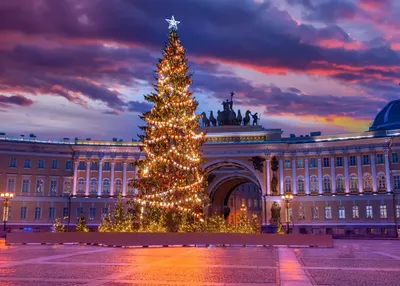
333	174
281	176
76	163
87	177
346	173
387	170
124	179
112	179
373	172
359	174
294	176
319	176
100	180
307	175
263	206
268	166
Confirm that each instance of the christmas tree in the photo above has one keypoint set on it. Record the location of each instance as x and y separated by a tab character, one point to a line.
58	226
170	177
81	226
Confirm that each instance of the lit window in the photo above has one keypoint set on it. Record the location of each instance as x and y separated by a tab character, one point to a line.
38	211
54	164
367	182
23	213
39	186
355	212
353	183
81	185
13	163
68	165
342	212
302	213
328	212
249	203
288	185
130	187
339	161
92	213
314	184
327	184
27	163
396	180
106	186
300	185
381	182
326	162
52	213
397	211
365	159
379	158
395	157
369	212
40	164
300	163
340	183
93	185
118	185
25	185
67	187
383	211
255	202
11	185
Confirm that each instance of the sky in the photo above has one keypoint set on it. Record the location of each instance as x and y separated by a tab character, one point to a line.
80	68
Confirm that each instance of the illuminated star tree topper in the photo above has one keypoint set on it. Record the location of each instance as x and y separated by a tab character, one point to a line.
173	24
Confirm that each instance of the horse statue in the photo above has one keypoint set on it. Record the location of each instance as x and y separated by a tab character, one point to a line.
232	118
239	118
246	120
212	119
205	120
220	118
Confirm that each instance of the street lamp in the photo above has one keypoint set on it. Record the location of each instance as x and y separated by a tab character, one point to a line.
287	199
243	208
6	198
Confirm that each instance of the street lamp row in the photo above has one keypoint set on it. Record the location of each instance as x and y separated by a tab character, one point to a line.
6	198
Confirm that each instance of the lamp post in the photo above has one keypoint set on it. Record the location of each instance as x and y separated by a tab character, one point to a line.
287	199
6	198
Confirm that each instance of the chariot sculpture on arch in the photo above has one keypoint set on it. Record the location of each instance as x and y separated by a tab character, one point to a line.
228	116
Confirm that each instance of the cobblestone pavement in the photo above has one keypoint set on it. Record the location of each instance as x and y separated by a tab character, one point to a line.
350	262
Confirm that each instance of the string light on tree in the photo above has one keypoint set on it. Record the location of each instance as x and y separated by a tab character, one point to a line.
170	177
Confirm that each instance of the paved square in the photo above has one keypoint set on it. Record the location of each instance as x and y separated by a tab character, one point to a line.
350	262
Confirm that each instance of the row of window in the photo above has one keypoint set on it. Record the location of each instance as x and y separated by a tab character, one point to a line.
94	165
326	162
105	188
251	203
53	186
340	183
37	214
342	212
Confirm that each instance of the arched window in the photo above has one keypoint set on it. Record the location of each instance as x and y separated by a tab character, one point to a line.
93	185
249	203
106	186
314	184
81	185
327	184
367	182
381	181
129	186
340	183
118	186
300	184
353	182
288	185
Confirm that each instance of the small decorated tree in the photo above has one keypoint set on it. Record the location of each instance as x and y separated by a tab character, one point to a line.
118	220
58	226
255	226
81	225
217	223
244	224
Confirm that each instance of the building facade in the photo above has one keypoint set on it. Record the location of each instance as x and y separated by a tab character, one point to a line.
347	185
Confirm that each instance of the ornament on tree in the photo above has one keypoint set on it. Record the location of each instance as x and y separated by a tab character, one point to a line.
170	177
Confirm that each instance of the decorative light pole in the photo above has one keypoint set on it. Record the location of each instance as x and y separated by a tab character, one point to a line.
287	199
6	198
243	208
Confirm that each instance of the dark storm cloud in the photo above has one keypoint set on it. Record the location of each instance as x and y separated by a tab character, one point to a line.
8	101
